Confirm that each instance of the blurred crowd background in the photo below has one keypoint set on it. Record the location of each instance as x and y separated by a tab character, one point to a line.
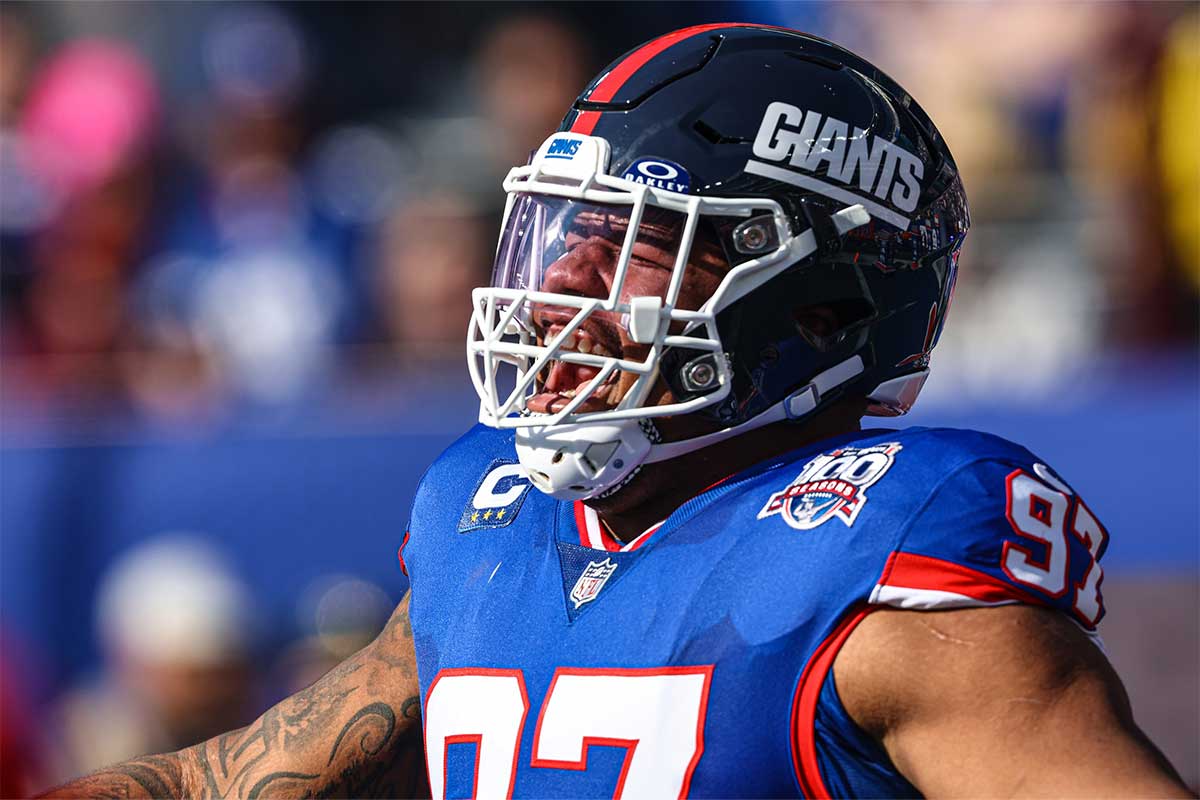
236	247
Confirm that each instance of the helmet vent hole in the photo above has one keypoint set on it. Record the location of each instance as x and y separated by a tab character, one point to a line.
815	59
714	136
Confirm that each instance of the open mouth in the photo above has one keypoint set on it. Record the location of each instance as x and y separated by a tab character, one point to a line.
564	381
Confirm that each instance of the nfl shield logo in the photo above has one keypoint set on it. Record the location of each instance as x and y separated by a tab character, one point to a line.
592	581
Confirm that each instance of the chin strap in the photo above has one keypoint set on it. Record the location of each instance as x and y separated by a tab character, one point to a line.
794	406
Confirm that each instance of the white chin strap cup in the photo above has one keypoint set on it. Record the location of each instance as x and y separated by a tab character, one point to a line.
581	461
576	462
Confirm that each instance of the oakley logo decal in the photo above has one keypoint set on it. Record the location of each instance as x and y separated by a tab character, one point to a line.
659	174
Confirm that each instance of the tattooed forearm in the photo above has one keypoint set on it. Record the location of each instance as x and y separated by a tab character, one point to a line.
151	776
373	739
354	733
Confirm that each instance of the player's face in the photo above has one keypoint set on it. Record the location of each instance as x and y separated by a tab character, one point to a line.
587	267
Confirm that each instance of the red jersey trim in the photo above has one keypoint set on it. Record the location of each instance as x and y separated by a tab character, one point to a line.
594	535
400	553
911	571
805	763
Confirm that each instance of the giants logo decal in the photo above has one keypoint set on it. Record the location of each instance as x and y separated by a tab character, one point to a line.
563	148
832	485
854	161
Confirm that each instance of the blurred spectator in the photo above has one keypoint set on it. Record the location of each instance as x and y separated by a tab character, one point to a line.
521	80
244	299
434	251
1179	157
526	73
14	61
22	761
1117	140
177	631
83	148
438	244
337	615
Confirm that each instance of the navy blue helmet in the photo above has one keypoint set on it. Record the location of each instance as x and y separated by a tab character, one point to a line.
823	187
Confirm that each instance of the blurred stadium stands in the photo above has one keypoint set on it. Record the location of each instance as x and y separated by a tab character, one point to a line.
236	242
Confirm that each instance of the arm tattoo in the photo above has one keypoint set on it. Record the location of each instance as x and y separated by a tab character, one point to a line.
150	776
354	733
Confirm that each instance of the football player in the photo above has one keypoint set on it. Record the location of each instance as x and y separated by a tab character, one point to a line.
671	562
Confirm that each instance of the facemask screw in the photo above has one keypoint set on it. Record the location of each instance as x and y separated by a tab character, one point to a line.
755	235
754	238
701	375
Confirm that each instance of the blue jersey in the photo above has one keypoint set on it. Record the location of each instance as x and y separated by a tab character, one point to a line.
697	660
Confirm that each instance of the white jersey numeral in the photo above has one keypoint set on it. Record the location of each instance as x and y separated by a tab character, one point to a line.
486	707
1038	510
1088	603
657	715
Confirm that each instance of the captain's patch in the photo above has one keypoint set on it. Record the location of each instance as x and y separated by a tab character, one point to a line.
497	498
831	486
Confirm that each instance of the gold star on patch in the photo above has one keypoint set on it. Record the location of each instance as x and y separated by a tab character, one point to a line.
487	514
475	517
500	514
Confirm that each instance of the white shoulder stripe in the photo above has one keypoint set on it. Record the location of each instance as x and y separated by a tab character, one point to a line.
934	599
926	599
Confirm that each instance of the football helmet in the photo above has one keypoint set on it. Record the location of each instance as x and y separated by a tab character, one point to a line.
736	221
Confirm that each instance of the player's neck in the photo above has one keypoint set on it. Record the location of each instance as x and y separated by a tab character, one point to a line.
661	488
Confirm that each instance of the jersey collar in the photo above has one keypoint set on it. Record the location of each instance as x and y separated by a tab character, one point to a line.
594	534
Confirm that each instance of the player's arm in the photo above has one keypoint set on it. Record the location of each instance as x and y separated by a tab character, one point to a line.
1012	701
354	733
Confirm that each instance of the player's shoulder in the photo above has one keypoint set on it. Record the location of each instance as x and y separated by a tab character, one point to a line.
474	449
910	455
952	518
945	450
878	479
461	465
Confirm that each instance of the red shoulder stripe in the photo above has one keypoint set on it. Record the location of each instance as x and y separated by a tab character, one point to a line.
911	571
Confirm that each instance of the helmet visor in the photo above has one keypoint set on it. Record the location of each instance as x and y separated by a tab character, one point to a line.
575	268
543	232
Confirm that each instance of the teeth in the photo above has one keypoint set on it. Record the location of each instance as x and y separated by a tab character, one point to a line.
568	393
584	346
569	342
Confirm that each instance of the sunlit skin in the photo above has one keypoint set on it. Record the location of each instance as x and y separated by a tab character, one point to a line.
588	269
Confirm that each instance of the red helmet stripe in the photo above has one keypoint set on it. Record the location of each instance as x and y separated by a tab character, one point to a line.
607	88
